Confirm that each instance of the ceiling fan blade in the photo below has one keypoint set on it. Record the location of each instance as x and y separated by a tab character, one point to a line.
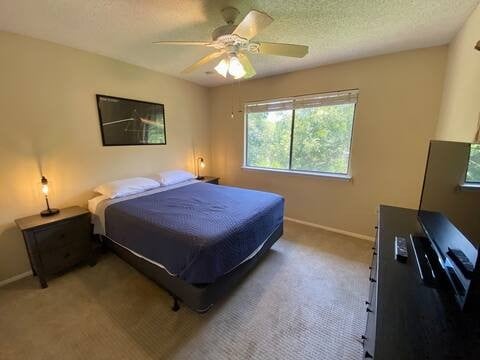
247	66
167	42
292	50
252	24
202	61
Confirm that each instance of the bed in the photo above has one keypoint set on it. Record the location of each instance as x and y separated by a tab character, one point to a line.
196	240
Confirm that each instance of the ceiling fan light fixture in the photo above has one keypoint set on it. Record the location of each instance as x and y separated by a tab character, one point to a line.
236	68
233	42
222	67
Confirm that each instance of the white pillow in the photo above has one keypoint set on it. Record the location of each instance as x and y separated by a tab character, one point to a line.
119	188
172	177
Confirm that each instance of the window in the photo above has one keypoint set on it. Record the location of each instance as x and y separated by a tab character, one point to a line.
473	171
311	134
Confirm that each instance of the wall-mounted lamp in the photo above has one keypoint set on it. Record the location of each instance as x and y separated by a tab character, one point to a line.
49	211
478	46
200	165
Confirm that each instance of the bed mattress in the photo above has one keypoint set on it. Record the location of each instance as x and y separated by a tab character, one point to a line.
197	232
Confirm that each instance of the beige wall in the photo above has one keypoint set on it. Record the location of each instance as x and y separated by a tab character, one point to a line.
396	117
48	118
460	112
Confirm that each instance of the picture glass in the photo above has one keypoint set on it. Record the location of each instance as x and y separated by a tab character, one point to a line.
131	122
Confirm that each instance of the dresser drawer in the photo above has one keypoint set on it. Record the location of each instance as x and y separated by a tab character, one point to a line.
369	339
64	257
373	263
370	331
371	305
59	235
372	277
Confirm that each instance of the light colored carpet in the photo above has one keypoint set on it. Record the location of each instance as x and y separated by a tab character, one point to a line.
303	301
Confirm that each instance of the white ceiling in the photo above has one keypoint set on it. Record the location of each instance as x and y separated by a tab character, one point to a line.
335	30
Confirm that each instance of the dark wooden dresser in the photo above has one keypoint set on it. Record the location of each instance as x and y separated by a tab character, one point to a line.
407	319
56	243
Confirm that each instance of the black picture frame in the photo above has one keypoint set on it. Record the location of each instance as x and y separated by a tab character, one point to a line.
130	122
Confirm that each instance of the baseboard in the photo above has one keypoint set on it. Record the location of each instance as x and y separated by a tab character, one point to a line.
15	278
328	228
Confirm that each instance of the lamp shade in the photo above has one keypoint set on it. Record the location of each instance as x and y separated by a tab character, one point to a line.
44	185
200	165
222	68
49	211
232	66
236	68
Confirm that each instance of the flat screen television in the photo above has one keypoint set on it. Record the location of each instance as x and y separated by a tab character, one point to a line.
449	214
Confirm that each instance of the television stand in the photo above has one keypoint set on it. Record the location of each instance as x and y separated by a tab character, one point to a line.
407	317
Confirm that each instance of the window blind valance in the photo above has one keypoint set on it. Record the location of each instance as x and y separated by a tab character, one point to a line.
270	106
307	101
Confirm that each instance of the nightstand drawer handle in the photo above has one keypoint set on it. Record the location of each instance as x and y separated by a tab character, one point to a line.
67	255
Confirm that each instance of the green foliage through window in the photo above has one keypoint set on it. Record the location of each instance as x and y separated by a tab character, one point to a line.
308	139
269	139
473	172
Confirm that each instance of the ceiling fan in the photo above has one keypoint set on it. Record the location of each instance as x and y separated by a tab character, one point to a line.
232	42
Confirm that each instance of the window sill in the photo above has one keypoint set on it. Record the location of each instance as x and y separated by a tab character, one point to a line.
343	177
469	187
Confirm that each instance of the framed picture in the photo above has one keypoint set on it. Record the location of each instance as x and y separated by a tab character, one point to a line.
130	122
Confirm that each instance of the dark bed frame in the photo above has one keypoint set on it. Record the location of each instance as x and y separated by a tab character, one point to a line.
199	298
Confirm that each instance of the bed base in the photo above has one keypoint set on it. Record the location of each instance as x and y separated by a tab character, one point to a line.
176	304
199	298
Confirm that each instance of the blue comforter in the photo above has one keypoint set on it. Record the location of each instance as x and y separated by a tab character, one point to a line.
198	232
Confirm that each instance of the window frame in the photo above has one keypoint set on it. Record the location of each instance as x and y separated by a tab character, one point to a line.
474	183
342	176
469	185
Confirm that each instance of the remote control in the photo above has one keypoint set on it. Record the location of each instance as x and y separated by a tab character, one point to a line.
401	252
462	261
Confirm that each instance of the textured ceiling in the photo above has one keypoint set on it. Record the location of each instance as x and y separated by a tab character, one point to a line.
335	30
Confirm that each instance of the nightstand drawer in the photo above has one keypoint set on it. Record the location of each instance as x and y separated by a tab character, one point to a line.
59	235
64	257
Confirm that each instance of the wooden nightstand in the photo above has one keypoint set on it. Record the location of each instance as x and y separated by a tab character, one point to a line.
56	243
210	179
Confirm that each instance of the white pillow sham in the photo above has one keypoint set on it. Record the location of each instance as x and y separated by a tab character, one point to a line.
93	203
172	177
124	187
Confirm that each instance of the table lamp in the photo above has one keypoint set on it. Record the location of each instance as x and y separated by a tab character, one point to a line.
48	211
200	165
